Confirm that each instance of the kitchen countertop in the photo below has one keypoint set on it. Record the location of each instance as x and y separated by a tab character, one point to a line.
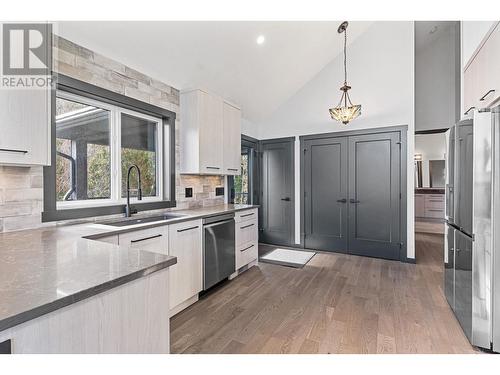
429	191
43	270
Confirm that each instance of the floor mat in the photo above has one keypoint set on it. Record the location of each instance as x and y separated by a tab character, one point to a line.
286	257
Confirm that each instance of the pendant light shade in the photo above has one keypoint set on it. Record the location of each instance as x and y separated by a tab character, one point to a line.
345	111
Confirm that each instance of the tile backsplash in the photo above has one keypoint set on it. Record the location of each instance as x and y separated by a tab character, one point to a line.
21	188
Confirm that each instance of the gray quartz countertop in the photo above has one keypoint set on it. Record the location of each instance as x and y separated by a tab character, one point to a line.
42	270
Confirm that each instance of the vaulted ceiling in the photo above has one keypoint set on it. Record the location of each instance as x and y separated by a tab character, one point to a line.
222	57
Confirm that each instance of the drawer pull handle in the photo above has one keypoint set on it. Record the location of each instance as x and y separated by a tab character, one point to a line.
467	112
186	229
247	214
247	226
485	95
233	169
246	248
213	167
145	238
434	200
434	210
13	150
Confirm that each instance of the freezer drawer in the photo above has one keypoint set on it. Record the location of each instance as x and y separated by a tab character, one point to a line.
449	266
463	282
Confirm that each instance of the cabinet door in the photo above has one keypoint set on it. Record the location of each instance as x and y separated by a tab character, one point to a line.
211	130
185	276
152	239
470	92
491	87
419	205
24	126
232	139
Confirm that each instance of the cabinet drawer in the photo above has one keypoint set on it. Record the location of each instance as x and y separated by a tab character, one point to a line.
246	254
435	197
153	239
246	215
246	231
434	213
434	204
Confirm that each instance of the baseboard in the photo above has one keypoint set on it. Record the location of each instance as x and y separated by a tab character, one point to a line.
244	268
409	260
181	306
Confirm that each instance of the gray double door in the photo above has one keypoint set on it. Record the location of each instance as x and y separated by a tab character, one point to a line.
352	194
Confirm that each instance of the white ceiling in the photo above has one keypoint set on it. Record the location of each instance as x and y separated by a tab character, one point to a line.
222	57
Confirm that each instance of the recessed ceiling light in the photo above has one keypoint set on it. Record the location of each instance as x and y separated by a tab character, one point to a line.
261	39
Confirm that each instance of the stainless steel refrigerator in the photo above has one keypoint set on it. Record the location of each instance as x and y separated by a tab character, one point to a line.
472	242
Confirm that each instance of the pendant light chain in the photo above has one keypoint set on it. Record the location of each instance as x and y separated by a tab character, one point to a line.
345	57
345	110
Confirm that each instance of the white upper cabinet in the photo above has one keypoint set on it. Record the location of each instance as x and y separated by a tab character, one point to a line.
205	146
232	139
482	76
25	126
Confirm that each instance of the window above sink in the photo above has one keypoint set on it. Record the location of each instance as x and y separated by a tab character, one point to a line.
98	135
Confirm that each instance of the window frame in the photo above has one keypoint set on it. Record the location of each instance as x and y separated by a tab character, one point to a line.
73	89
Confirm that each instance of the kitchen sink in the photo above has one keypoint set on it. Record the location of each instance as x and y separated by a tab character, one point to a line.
142	220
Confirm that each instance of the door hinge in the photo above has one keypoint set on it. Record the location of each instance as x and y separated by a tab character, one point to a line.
399	195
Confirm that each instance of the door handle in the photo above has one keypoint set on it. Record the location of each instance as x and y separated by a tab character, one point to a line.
343	200
287	199
485	95
352	200
470	109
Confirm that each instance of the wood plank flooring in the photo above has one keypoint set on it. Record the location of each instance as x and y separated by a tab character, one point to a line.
336	304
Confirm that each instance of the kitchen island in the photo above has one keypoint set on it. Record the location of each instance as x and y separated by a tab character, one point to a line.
65	289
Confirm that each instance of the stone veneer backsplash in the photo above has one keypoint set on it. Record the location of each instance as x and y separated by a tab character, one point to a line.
21	188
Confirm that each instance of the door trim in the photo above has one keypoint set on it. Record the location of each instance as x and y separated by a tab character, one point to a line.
291	140
403	130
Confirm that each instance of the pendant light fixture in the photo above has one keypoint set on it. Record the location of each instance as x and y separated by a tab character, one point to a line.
345	111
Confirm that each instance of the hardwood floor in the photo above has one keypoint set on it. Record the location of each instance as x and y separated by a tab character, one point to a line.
335	304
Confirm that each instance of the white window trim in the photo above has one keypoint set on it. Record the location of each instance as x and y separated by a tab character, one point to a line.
115	150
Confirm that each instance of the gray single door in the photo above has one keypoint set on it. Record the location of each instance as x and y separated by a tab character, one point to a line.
277	193
325	194
374	189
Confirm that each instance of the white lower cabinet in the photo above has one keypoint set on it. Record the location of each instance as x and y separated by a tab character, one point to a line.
186	277
246	238
151	239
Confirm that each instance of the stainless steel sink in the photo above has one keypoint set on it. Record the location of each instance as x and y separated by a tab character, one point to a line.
142	220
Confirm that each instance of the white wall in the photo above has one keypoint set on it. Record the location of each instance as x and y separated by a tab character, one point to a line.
381	72
249	128
437	82
431	147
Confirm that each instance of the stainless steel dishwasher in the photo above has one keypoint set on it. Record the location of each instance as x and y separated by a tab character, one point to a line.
218	249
